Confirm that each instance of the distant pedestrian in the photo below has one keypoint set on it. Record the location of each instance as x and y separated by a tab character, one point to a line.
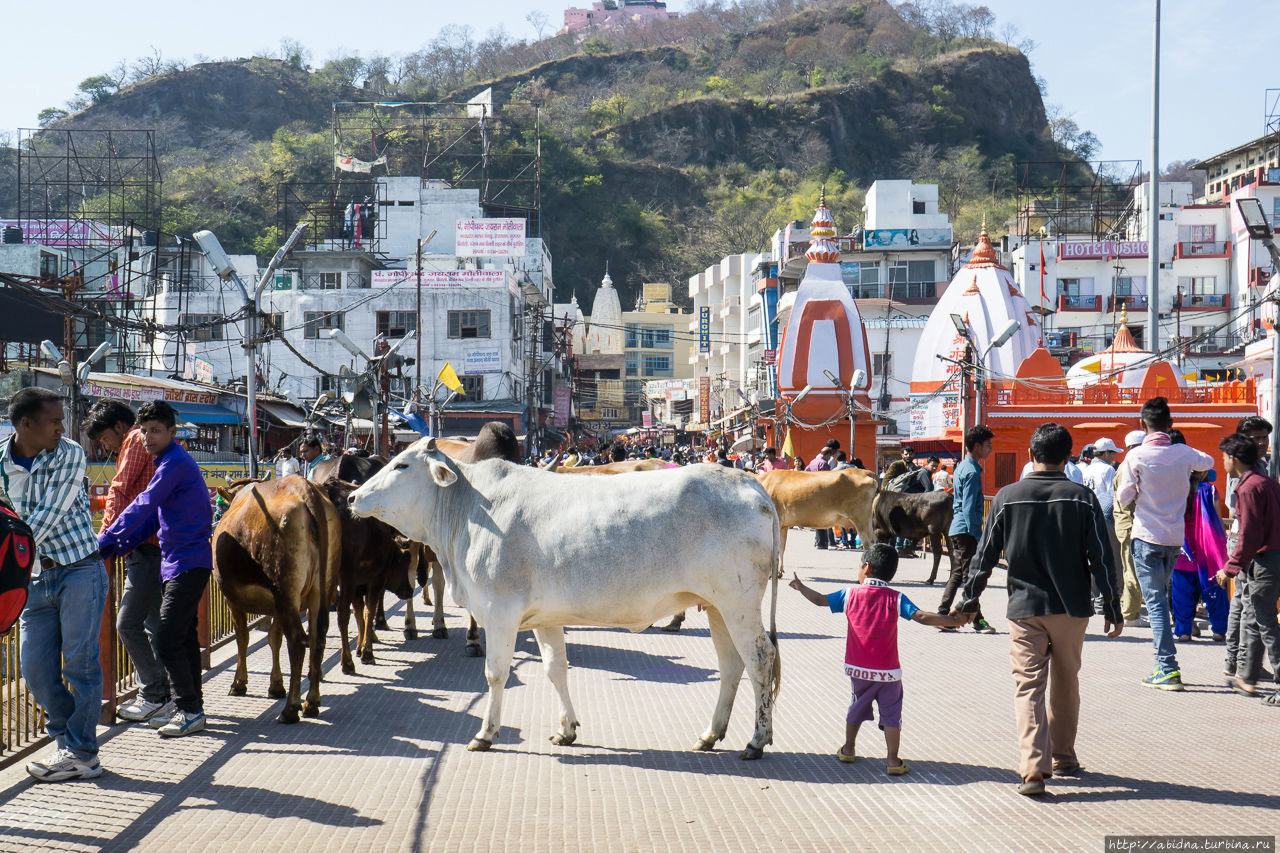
899	466
311	452
176	504
872	609
112	424
43	477
286	464
1256	556
822	538
1053	537
1257	430
966	519
1157	479
1099	478
771	461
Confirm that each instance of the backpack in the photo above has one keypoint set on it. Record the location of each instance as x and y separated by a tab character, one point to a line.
908	483
17	552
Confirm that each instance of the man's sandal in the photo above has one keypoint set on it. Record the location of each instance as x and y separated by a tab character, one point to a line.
900	770
847	759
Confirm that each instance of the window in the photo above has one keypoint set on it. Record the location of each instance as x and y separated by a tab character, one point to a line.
1075	287
633	363
548	336
1200	284
469	324
654	337
912	280
862	279
655	365
473	386
48	265
1131	285
273	326
326	383
314	322
205	332
609	414
395	324
1275	211
330	281
917	206
882	364
633	336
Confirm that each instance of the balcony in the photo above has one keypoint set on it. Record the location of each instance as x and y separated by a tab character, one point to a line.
908	293
1259	277
1205	301
730	310
1079	303
1132	302
1212	249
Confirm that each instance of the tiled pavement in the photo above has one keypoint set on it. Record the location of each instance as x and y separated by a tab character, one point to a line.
385	768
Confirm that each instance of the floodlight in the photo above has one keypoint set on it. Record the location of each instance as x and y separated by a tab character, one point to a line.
103	350
859	376
1009	330
50	351
1255	218
216	255
831	377
803	393
961	326
347	344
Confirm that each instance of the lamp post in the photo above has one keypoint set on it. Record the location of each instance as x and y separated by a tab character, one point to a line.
72	375
376	369
1256	224
972	369
859	376
223	268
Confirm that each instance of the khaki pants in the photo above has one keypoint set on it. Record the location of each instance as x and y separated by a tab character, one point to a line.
1130	590
1045	651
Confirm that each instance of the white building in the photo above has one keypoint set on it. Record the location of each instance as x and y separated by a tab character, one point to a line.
722	299
481	314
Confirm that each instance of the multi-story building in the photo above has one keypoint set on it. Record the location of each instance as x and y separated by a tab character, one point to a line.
1087	283
722	300
616	13
483	312
1254	163
657	346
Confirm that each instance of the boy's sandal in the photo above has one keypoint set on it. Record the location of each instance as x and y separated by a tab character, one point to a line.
900	770
847	759
1273	700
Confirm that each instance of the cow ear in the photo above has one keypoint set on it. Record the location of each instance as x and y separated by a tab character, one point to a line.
442	474
430	445
226	496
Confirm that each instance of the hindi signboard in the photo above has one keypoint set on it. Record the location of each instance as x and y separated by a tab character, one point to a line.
563	402
770	356
139	393
439	278
482	360
489	238
704	329
704	399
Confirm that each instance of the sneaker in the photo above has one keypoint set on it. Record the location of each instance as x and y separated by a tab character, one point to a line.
139	710
1164	680
1182	638
183	723
1137	623
64	765
982	626
162	715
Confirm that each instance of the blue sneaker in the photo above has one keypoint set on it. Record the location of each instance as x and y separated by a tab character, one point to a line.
1164	680
183	723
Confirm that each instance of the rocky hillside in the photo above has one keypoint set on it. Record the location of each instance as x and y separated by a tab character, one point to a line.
659	154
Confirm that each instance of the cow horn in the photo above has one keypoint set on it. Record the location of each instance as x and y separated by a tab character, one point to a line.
554	463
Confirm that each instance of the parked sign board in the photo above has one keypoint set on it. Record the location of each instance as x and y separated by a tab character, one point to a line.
704	399
440	278
489	238
563	402
704	329
482	360
907	238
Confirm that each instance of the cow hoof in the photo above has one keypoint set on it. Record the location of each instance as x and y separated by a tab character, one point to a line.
276	691
440	634
237	690
673	626
367	658
478	745
411	633
349	667
561	739
705	744
474	651
751	753
310	710
288	715
381	625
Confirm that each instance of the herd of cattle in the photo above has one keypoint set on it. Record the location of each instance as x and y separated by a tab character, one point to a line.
524	548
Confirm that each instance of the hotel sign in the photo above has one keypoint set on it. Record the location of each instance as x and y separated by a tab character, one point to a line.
704	329
1102	251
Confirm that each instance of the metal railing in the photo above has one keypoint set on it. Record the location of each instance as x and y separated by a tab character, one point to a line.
21	719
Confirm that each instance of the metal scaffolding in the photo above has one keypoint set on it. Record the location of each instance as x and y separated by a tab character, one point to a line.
1076	197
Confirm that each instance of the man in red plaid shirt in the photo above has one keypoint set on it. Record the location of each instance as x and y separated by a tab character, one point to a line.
111	423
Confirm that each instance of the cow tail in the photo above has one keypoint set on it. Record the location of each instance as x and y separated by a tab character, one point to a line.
775	572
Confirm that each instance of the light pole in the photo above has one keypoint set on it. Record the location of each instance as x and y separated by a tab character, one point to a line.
376	368
223	268
859	376
971	368
1153	212
1255	223
72	375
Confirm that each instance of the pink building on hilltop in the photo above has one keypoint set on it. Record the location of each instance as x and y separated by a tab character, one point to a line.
616	13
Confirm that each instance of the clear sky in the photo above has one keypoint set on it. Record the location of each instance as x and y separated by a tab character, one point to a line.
1095	55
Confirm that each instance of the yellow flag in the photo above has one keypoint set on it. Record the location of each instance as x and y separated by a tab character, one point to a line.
450	379
787	448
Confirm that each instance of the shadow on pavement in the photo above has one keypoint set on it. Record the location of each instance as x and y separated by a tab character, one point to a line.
636	664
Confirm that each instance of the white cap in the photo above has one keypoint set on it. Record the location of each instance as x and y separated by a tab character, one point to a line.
1102	445
1134	438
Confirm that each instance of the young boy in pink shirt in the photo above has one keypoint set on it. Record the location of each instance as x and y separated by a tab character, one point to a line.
872	609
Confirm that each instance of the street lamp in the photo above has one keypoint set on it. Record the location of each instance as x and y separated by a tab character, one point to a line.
1256	224
72	376
859	376
225	270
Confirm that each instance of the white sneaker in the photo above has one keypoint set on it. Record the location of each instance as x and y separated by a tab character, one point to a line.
139	710
1137	623
162	715
64	765
183	723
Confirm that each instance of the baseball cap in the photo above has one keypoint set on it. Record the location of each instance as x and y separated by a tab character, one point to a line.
1134	438
1104	444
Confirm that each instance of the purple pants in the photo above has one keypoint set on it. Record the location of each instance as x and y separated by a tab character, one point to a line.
886	694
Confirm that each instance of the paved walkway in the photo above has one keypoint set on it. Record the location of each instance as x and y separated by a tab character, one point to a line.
385	766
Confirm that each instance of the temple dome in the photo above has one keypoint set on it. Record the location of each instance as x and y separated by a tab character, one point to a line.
605	332
1116	363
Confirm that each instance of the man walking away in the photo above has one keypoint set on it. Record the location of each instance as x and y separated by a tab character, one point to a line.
1122	516
1257	553
175	503
111	424
1053	536
966	520
1157	478
43	476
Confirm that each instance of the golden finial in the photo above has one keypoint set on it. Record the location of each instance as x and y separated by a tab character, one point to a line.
984	225
1124	313
822	202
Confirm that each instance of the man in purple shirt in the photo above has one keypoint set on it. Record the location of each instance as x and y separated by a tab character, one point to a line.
822	462
176	505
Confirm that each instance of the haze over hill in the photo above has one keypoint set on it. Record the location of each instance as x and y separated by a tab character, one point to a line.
664	148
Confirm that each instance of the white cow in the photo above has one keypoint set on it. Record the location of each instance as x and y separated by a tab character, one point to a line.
531	549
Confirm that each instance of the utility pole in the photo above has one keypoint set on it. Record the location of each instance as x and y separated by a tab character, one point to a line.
380	350
417	381
1153	200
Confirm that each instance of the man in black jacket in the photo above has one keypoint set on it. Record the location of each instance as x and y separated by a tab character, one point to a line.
1054	538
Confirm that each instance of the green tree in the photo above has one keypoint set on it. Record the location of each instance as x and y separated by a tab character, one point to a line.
49	115
99	87
596	46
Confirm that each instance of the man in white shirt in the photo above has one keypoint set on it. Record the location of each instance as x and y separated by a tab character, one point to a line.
1099	478
1072	471
1156	478
286	464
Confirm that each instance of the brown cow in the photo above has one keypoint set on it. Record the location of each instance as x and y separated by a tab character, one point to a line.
914	516
275	552
374	557
618	467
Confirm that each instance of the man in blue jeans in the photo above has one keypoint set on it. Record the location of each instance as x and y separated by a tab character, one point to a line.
1156	478
176	505
43	478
